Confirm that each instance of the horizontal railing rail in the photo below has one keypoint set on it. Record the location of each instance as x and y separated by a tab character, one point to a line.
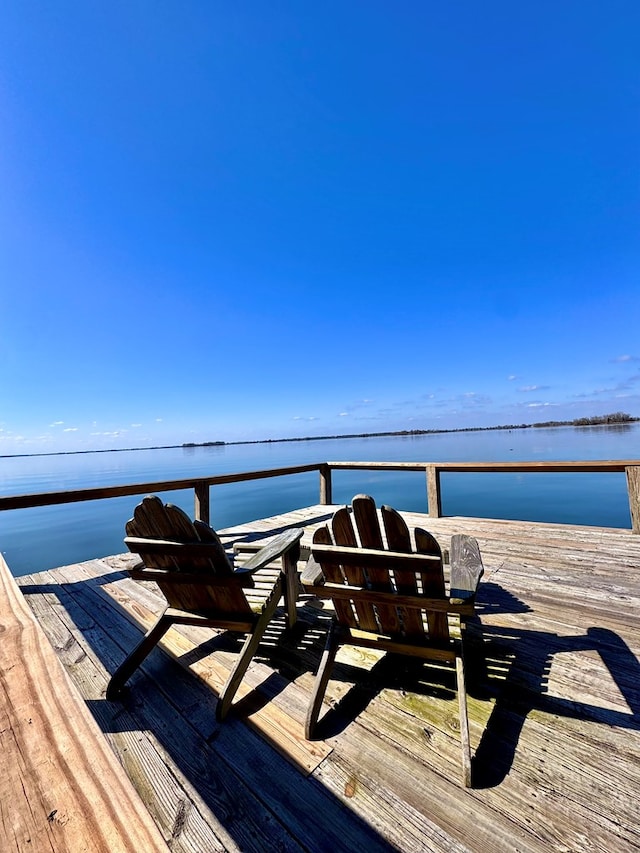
432	470
200	485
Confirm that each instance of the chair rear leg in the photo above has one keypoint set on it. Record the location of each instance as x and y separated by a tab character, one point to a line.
464	722
291	583
139	653
322	679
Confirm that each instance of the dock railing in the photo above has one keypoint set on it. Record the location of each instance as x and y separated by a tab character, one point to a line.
433	470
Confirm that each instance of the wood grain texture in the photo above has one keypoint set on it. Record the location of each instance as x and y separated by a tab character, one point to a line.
344	533
432	578
61	787
633	488
367	523
466	567
399	539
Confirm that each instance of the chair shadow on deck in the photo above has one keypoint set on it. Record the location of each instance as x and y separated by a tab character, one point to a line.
526	657
507	666
513	667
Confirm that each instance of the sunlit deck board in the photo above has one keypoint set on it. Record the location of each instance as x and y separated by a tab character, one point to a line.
61	788
555	710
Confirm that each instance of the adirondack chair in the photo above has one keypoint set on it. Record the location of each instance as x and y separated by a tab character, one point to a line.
391	596
188	562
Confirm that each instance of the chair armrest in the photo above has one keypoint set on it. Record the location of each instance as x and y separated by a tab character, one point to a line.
312	574
278	547
466	568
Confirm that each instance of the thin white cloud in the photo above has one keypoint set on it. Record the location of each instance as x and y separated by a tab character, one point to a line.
354	405
594	393
623	359
619	389
56	423
70	429
528	388
471	397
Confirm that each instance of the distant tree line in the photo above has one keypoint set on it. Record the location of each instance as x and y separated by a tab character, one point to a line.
597	420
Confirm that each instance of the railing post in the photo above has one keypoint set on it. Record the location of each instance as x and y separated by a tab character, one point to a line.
202	509
433	491
325	485
633	487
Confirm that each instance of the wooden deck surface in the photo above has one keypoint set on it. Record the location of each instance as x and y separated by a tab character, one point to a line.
61	787
554	705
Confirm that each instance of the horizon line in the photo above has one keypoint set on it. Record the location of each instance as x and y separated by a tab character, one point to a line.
596	420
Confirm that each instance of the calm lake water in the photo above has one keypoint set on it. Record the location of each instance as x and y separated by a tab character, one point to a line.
41	538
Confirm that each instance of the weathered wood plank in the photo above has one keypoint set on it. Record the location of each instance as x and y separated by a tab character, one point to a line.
61	787
85	643
633	487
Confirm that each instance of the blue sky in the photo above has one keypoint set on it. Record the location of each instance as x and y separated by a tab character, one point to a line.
229	221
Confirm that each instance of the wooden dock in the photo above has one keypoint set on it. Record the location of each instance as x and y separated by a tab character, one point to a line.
554	705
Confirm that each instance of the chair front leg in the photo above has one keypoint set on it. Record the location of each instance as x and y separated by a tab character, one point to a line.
464	721
322	679
248	650
139	653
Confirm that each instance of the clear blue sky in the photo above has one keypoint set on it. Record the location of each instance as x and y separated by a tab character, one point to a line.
274	218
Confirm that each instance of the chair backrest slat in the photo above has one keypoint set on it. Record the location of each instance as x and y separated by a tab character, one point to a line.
368	526
399	539
367	523
433	582
345	534
333	573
